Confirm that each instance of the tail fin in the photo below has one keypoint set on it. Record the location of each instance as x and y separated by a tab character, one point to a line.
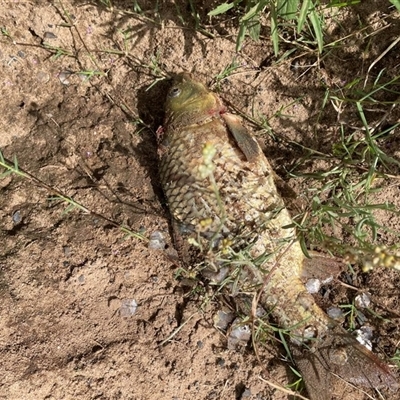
340	354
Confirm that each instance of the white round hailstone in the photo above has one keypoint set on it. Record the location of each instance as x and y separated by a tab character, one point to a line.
239	335
128	307
335	313
157	241
364	336
313	286
363	300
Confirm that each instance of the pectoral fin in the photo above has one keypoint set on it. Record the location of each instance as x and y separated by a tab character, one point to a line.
247	144
322	266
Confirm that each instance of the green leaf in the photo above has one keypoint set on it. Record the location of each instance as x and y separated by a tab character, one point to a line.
251	13
287	8
316	23
274	29
304	246
69	208
305	7
396	3
256	10
284	342
341	3
15	163
4	174
254	29
297	373
221	9
241	35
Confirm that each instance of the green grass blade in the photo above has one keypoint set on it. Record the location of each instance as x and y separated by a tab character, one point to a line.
4	174
341	3
241	35
221	9
16	163
316	23
274	29
284	343
251	13
254	29
396	3
287	8
305	7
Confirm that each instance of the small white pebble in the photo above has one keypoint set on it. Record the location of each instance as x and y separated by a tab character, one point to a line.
260	311
157	241
64	75
239	335
363	300
327	280
313	286
335	313
241	332
16	217
364	336
222	319
128	307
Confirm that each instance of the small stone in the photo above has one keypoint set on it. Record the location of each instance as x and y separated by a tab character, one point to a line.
42	77
363	300
157	241
222	319
335	313
128	307
364	336
64	75
16	217
313	286
67	251
81	279
239	335
260	312
246	394
220	362
154	278
49	35
327	280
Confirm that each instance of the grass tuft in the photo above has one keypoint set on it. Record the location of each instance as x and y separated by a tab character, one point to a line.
12	168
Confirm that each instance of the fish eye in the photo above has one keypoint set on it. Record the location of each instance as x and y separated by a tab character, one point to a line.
174	92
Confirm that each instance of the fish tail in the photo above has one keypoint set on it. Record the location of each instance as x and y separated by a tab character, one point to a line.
337	359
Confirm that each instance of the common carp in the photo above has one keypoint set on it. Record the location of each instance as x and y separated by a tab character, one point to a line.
231	223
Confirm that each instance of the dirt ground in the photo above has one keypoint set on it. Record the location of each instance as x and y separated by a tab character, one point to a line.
68	279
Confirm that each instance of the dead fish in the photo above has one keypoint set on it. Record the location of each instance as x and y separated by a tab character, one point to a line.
230	221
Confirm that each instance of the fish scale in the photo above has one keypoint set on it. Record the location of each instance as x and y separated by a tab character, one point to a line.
223	200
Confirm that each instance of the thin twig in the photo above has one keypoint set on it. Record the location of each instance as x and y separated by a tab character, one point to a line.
177	330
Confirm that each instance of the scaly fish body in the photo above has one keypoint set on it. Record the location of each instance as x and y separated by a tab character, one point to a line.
224	202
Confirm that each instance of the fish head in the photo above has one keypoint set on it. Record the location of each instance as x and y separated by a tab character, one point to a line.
190	102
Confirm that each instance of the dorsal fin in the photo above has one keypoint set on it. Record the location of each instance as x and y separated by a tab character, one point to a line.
245	141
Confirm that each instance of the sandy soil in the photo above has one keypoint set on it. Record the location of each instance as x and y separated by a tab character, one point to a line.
66	276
